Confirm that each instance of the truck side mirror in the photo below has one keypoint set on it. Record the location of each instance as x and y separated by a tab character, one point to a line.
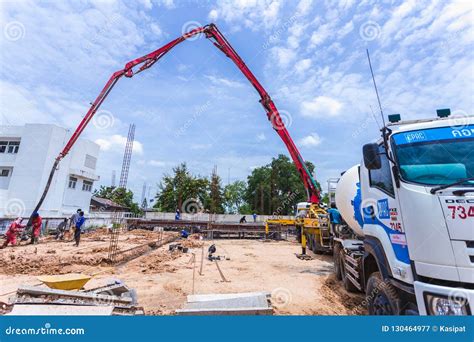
371	156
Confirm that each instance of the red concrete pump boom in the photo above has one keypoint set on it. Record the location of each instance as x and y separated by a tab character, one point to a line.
138	65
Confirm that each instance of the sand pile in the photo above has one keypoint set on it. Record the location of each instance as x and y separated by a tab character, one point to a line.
192	243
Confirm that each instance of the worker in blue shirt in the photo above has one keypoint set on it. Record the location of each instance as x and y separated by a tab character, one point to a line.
177	216
334	218
79	223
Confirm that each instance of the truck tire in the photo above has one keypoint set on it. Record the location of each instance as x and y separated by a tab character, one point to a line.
382	297
337	262
348	285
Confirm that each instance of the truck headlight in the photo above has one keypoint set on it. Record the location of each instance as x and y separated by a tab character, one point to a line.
446	306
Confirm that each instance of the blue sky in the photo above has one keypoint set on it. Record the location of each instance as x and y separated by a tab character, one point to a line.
195	106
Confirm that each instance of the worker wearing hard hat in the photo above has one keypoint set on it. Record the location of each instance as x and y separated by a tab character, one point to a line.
13	230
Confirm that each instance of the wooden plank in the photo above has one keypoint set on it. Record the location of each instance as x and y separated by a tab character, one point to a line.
41	291
225	312
62	310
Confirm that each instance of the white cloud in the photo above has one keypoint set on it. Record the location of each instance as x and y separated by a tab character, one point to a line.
213	14
311	140
283	56
116	143
319	37
157	163
222	81
321	106
303	65
345	30
261	137
252	14
156	29
303	7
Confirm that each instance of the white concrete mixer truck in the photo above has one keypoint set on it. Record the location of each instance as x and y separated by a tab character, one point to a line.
408	241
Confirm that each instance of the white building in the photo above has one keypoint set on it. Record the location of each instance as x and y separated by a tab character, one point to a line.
27	154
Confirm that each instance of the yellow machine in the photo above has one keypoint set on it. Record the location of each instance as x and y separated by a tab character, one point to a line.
312	222
312	225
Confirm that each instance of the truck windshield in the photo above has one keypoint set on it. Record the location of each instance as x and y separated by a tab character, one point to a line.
436	156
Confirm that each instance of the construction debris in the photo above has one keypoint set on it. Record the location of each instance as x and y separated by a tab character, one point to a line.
161	279
250	303
115	298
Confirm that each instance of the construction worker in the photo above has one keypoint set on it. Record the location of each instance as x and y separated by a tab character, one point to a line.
77	232
13	230
72	222
334	218
37	222
61	229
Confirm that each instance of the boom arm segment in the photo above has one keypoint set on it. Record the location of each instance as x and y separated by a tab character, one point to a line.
142	63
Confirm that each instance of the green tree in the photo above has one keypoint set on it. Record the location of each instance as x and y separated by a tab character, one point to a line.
258	191
120	196
325	199
216	195
276	188
182	191
234	196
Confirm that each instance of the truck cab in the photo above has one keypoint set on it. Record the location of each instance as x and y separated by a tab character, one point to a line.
412	212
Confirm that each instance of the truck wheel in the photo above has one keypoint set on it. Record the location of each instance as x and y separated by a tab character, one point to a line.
348	285
337	262
382	298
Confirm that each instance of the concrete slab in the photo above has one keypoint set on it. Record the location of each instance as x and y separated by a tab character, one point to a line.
55	310
220	296
250	303
226	312
241	302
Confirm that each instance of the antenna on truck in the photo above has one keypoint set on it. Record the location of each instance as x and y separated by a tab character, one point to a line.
385	130
375	86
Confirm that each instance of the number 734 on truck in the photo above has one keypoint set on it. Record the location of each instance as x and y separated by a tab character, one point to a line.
408	238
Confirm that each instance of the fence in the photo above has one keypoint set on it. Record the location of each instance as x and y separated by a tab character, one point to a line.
100	219
210	217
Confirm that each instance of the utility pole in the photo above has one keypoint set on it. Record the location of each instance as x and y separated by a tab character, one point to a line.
143	200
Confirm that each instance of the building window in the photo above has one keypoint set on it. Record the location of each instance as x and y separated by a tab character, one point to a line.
382	178
13	146
72	182
4	172
9	146
87	186
90	161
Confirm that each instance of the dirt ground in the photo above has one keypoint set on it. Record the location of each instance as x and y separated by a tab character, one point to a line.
163	279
